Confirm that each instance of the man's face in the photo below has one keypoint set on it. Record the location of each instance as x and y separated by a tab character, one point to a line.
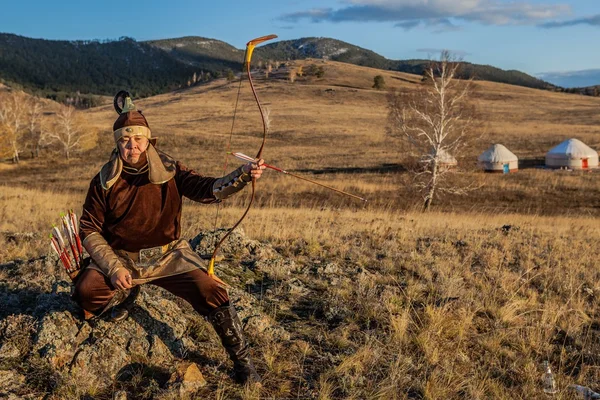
132	147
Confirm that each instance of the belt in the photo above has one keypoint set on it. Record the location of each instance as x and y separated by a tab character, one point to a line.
150	255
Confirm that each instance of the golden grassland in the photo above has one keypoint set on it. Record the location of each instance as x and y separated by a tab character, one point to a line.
436	305
446	304
333	130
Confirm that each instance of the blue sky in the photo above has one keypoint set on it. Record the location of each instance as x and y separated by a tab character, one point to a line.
533	36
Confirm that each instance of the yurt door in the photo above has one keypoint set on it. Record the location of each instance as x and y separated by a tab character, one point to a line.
506	168
584	163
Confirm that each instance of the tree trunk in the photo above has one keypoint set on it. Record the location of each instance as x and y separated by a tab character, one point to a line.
432	187
15	157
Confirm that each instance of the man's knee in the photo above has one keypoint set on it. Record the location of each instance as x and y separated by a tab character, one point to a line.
210	294
92	290
217	295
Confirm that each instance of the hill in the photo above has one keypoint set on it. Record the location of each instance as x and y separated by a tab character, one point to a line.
201	51
332	49
335	127
63	69
573	79
339	299
53	68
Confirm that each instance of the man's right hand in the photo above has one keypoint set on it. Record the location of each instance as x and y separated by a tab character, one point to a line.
122	279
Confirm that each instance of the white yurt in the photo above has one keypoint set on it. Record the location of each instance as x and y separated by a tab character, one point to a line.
572	153
498	159
446	159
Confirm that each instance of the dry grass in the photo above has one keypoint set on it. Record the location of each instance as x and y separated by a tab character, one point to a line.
333	130
429	306
444	305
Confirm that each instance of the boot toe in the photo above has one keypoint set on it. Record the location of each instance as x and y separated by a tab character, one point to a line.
246	374
118	315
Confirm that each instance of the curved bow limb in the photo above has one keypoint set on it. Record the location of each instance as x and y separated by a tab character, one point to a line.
250	46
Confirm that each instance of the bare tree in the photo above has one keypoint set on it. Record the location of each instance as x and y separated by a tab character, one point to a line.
12	120
436	121
35	133
68	131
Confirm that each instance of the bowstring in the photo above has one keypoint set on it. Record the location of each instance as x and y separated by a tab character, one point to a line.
226	162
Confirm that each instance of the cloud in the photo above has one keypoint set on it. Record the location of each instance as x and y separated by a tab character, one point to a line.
315	15
593	21
440	25
408	25
439	14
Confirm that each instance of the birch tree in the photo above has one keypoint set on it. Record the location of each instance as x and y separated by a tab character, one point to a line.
12	120
436	121
35	134
68	131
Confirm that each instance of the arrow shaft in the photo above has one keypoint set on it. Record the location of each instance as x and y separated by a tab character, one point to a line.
75	228
250	159
60	253
70	238
320	184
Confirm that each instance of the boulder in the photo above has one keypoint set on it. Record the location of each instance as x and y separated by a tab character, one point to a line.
58	352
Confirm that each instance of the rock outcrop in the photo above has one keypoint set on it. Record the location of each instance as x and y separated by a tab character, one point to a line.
47	348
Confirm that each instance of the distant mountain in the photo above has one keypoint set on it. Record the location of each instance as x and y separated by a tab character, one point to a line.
59	69
51	67
573	79
337	50
199	52
330	49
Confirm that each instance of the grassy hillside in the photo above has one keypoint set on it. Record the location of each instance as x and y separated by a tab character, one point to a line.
63	70
203	53
334	127
52	67
385	304
379	301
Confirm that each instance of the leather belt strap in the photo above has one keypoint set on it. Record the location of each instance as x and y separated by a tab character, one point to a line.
152	253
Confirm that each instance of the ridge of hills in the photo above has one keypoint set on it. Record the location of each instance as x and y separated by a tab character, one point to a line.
64	69
330	291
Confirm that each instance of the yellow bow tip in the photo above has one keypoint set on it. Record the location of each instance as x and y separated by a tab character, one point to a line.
211	267
255	42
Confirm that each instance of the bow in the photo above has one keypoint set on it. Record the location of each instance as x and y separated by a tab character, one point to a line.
247	58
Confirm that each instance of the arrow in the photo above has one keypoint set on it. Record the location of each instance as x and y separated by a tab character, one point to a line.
244	157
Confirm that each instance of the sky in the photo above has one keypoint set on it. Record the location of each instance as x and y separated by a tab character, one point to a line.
534	36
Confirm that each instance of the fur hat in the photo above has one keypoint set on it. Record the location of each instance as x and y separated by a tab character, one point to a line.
131	121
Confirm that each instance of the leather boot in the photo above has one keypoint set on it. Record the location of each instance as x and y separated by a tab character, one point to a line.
229	328
120	312
117	309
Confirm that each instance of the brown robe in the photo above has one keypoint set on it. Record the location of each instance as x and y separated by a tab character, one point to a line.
134	214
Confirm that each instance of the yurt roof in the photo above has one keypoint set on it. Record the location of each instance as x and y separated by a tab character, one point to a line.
572	148
497	153
446	157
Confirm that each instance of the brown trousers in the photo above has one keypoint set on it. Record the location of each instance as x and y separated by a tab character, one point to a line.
93	290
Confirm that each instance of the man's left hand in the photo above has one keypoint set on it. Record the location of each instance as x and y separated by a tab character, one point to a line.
255	169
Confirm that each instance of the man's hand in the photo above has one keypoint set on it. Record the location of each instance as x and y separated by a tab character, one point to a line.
255	169
122	279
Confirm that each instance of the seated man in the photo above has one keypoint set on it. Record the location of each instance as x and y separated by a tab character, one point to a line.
130	226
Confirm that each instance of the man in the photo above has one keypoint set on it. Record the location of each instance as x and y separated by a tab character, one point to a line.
130	226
